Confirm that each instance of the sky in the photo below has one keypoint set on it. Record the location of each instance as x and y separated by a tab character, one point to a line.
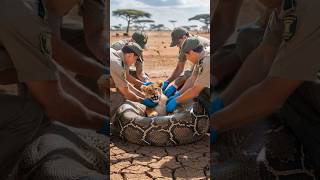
163	10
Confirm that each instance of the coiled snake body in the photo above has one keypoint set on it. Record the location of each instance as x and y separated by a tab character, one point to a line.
188	124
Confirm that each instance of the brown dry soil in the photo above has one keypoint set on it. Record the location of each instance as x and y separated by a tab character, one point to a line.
130	161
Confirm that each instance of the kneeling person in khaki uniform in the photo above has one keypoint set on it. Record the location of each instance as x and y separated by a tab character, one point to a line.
200	78
179	35
119	62
140	38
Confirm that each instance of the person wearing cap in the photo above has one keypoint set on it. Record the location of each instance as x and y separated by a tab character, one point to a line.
194	51
140	38
281	75
178	35
119	62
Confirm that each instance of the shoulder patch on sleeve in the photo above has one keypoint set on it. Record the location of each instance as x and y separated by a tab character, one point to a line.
290	26
45	43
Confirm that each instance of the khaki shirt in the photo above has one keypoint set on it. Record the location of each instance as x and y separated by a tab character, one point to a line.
118	68
296	31
26	37
202	69
119	45
204	41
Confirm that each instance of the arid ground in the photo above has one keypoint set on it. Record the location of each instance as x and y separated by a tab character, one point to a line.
130	161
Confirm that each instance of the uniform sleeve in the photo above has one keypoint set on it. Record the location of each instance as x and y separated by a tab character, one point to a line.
182	58
299	61
298	55
118	74
273	32
117	46
29	48
203	73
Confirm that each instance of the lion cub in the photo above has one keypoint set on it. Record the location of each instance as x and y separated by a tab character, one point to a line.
154	92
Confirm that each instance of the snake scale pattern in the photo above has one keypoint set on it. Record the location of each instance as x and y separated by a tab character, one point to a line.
265	151
62	152
187	124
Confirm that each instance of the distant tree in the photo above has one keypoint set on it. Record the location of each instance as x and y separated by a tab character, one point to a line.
142	22
186	27
204	18
151	26
193	27
158	27
204	28
116	28
135	27
130	15
173	22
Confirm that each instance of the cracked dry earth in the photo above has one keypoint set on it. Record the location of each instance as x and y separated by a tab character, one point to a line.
131	161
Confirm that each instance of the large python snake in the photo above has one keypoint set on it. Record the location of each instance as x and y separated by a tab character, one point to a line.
188	124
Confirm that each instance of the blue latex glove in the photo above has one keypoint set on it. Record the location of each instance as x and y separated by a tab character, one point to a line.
147	83
213	136
170	91
165	85
148	102
105	128
216	105
171	105
177	94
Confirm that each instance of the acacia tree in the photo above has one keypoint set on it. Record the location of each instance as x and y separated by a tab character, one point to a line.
186	27
173	22
142	22
117	28
204	18
158	27
193	27
130	15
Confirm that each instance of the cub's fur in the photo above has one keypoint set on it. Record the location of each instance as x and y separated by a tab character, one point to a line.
154	92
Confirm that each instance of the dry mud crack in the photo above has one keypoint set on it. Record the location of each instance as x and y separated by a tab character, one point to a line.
131	161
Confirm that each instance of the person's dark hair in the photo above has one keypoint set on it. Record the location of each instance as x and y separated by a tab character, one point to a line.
198	49
127	50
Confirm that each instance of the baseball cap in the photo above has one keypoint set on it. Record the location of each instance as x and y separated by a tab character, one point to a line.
135	47
140	38
176	34
189	44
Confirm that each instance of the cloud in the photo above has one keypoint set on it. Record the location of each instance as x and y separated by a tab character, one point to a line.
126	4
161	2
164	10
